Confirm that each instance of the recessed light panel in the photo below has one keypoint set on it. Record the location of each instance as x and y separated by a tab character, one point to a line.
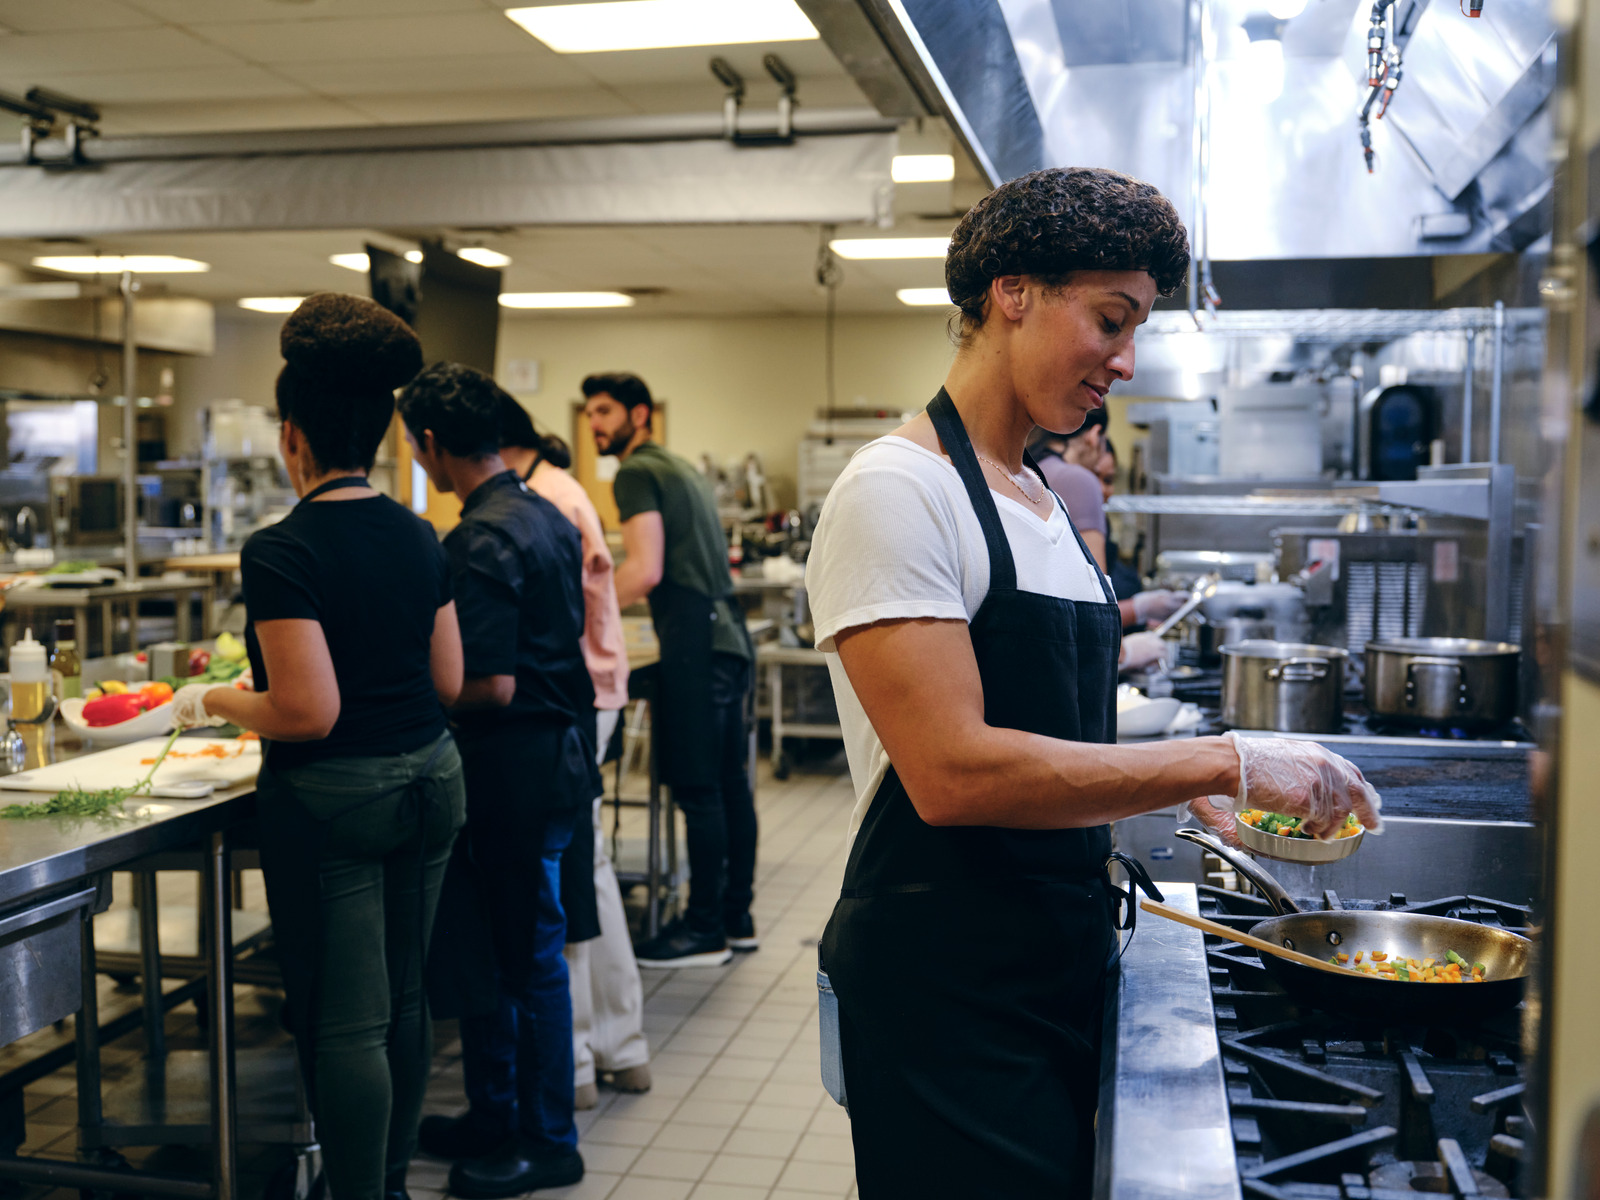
483	256
922	168
926	247
924	297
358	262
657	24
115	264
566	300
271	304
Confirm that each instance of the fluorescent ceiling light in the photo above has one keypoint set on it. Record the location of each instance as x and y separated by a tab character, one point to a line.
115	264
923	297
358	262
657	24
483	256
922	168
1286	10
934	247
271	304
566	300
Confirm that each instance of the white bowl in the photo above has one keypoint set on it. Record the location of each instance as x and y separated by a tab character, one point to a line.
153	723
1148	719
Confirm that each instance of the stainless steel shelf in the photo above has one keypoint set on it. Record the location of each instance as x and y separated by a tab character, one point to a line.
1339	324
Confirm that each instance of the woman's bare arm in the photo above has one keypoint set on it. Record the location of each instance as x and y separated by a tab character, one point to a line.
918	682
302	702
445	661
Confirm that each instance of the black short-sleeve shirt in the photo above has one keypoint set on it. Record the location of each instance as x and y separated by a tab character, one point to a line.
374	576
516	569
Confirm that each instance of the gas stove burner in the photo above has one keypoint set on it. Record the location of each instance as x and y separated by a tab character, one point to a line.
1323	1105
1436	1178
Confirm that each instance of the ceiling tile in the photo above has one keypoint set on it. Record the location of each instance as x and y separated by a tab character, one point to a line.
32	16
28	54
195	12
367	39
434	73
240	81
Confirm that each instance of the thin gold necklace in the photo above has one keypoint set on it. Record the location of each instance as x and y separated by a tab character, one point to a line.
1016	481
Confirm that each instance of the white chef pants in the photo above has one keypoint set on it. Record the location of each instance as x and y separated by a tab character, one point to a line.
607	995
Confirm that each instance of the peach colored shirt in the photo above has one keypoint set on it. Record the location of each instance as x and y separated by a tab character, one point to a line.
604	649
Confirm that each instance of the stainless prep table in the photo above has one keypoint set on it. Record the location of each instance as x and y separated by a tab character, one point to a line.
105	601
54	875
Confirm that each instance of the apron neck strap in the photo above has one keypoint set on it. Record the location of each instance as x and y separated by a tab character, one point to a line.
344	481
953	435
1105	581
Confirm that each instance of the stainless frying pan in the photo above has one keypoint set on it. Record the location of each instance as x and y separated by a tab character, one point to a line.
1399	934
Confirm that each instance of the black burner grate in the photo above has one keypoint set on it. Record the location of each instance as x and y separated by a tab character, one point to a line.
1328	1108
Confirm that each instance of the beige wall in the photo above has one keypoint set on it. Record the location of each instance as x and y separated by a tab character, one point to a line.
732	384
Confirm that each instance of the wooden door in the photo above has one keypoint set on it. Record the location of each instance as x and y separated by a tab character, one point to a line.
595	472
442	510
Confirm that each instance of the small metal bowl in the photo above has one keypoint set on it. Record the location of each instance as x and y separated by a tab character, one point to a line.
1293	849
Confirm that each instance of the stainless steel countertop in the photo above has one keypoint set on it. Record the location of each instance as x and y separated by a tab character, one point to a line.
1164	1130
41	855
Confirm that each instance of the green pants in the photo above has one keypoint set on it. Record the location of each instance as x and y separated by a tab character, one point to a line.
354	852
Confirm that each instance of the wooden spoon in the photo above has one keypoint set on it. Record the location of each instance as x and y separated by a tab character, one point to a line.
1234	935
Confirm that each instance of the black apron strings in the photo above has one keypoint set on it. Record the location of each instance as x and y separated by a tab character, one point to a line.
332	485
953	435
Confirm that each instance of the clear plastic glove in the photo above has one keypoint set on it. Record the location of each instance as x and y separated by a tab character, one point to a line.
189	706
1305	780
1157	605
1218	821
1141	650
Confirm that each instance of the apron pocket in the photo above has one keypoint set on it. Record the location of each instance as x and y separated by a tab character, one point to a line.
832	1052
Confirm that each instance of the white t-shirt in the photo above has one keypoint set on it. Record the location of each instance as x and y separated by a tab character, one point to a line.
898	539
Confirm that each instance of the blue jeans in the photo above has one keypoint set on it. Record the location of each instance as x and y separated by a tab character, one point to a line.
517	1060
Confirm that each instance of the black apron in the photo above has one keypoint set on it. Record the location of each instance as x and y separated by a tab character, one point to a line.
970	962
681	708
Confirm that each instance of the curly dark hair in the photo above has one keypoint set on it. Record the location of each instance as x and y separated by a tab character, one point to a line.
626	388
463	406
1050	223
343	358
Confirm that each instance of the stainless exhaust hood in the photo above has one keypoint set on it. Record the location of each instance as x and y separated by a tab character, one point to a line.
1463	161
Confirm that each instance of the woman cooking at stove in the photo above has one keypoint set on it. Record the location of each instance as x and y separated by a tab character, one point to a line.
973	646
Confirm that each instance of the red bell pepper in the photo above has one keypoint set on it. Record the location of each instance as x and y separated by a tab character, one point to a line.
113	710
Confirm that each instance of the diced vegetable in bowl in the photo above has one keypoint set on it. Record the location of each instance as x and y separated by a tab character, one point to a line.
1282	826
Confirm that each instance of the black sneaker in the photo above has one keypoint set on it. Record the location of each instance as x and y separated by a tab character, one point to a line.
679	946
741	933
514	1171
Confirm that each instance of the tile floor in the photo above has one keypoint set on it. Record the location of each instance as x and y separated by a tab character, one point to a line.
736	1111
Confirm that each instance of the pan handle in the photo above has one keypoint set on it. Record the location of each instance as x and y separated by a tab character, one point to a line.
1248	867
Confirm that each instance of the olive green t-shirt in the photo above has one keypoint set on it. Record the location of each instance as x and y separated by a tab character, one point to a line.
696	555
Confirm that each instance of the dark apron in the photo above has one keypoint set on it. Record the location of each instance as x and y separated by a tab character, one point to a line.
970	963
681	708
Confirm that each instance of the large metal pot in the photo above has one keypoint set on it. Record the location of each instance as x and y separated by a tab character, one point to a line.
1455	682
1287	687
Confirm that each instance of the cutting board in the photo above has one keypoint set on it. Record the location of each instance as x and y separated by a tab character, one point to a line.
185	775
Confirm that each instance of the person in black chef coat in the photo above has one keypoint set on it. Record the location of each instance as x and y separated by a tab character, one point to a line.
973	645
525	723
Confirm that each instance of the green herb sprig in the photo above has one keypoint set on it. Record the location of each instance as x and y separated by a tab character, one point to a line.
77	803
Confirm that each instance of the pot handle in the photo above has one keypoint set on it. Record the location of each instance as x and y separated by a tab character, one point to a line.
1299	670
1441	664
1269	887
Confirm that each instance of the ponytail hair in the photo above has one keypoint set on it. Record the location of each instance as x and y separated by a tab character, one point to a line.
517	429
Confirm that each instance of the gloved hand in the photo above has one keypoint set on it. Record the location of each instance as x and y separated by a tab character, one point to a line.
1305	780
1141	650
1217	821
1157	605
189	706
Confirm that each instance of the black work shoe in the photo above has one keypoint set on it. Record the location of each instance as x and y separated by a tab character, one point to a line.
514	1171
741	932
679	946
465	1136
